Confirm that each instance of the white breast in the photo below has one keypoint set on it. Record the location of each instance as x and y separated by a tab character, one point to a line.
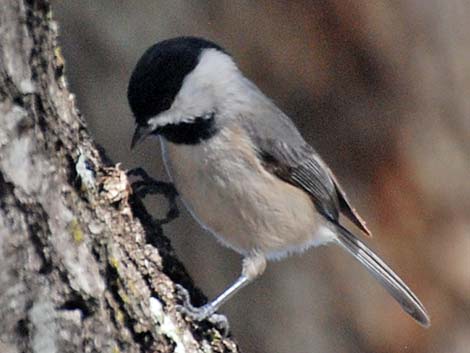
227	190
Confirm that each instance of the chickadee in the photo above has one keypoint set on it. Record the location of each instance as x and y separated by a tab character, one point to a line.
242	168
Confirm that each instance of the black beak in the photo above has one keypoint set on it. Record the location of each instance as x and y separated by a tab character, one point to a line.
141	132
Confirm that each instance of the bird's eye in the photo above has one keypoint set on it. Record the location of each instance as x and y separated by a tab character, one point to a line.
165	102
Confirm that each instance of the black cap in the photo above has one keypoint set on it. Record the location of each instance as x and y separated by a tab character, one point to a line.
159	74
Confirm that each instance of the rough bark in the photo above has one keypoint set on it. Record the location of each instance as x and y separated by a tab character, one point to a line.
83	267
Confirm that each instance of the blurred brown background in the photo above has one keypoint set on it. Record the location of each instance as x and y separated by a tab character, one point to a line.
382	90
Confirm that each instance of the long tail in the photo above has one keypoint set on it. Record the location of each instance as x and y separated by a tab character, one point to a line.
389	280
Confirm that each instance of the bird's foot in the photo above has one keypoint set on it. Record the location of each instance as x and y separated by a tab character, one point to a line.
148	185
205	312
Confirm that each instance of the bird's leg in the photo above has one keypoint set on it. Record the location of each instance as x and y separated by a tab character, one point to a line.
253	267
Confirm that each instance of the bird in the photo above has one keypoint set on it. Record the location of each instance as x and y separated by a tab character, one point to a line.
242	168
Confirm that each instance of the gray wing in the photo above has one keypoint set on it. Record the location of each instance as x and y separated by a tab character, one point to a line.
286	154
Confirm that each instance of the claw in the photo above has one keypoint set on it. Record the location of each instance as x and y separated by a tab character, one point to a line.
205	312
147	185
220	321
184	294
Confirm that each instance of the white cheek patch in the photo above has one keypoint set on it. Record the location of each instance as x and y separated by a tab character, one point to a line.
203	90
171	118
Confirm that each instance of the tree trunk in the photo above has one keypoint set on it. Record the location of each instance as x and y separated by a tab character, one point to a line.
83	267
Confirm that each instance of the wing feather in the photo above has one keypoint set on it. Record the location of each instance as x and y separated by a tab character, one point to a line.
302	166
286	154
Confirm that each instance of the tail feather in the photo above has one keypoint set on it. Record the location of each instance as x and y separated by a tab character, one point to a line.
389	280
